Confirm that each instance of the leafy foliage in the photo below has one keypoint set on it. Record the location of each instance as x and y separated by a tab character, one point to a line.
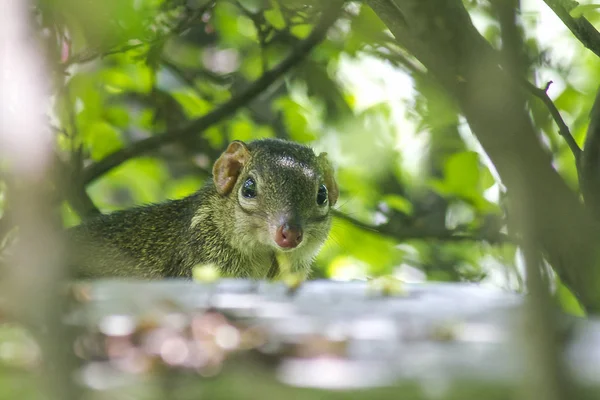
416	188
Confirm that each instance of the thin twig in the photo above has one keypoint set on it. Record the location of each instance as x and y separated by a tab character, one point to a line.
225	110
563	129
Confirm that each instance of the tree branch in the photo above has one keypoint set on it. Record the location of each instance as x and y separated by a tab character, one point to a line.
583	30
74	192
563	129
328	18
443	38
402	232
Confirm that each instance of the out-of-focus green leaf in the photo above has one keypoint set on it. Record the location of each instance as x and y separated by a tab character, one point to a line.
106	23
295	119
487	180
583	10
147	121
192	104
85	101
179	188
322	86
252	67
102	139
366	28
134	78
254	6
399	203
344	267
215	137
568	301
138	181
301	31
69	216
226	21
461	172
379	253
247	28
117	116
275	17
242	130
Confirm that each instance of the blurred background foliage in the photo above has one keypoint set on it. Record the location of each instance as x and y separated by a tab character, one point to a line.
418	199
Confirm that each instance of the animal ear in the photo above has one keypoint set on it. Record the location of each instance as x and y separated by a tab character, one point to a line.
228	166
328	174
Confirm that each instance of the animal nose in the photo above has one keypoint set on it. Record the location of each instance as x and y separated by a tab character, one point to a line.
288	236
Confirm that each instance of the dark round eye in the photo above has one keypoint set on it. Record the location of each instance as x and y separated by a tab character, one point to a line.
249	188
322	195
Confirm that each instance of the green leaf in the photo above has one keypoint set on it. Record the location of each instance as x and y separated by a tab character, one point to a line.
102	139
183	187
69	216
134	78
225	21
192	104
301	31
583	10
215	137
85	100
253	6
252	67
242	130
117	116
377	252
275	18
399	203
247	28
142	179
365	29
568	301
487	180
461	173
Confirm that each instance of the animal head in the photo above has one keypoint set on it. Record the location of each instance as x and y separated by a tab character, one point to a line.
282	191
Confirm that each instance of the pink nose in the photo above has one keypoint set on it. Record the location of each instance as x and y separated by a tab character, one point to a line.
288	236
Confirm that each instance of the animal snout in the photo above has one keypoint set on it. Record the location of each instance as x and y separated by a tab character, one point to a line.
288	236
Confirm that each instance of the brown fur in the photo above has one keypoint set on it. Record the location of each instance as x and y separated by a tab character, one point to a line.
216	224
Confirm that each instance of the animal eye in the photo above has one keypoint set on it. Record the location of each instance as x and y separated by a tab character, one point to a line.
322	195
249	188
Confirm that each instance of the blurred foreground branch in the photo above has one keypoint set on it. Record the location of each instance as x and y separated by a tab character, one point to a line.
298	53
34	272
